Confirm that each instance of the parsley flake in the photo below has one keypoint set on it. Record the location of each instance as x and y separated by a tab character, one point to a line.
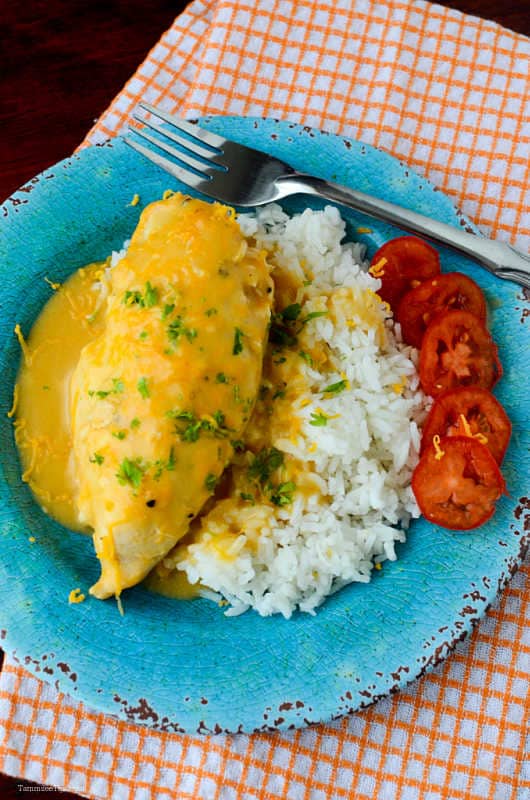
143	388
117	388
210	482
238	342
177	328
286	325
168	309
189	427
131	472
335	388
146	300
151	296
264	464
282	495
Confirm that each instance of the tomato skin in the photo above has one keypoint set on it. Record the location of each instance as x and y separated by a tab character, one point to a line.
408	260
457	350
459	490
483	412
450	291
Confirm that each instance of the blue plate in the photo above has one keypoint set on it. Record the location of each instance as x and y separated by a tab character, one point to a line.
183	666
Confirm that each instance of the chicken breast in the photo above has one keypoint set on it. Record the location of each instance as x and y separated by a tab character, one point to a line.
159	400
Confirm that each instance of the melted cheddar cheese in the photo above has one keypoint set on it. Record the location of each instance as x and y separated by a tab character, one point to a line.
153	389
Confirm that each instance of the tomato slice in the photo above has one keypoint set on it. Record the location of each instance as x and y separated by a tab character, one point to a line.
402	264
457	350
469	410
441	293
459	489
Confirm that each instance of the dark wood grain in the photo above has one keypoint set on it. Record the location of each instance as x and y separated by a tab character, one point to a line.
61	64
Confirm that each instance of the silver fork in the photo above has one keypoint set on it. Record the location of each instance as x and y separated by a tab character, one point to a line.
241	176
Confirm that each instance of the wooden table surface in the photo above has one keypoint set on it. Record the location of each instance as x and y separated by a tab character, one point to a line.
63	61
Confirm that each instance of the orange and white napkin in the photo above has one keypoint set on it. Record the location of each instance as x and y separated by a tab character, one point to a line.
450	95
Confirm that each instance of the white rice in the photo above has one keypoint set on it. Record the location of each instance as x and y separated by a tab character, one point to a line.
360	461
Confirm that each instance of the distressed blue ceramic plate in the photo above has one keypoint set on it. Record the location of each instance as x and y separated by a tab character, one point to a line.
183	666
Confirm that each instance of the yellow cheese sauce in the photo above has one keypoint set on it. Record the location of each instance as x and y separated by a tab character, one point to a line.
135	386
69	320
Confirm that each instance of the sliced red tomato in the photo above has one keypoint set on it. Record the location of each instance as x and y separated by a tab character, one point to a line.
457	484
442	293
457	350
402	264
465	411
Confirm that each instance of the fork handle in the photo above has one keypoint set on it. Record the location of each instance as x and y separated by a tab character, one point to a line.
503	260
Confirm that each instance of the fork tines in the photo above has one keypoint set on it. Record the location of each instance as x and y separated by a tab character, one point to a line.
188	146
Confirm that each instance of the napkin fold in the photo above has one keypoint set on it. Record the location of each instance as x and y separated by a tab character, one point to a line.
450	95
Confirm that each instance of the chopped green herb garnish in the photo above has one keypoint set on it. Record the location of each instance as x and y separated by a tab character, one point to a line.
281	333
143	335
97	458
180	414
210	482
282	495
318	419
262	467
176	329
168	309
151	296
279	393
132	298
238	445
264	464
162	465
117	388
219	417
135	423
146	300
286	325
221	378
131	472
335	388
143	388
119	434
238	342
46	388
210	312
291	312
307	358
314	315
189	427
247	497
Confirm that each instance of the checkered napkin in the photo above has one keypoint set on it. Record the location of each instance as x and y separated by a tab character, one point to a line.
450	95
